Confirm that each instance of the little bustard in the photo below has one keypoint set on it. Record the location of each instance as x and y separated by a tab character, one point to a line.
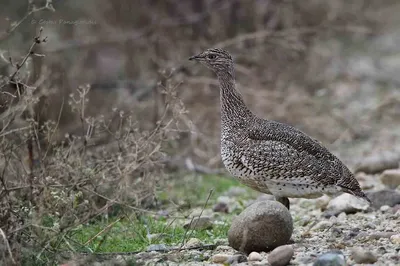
269	156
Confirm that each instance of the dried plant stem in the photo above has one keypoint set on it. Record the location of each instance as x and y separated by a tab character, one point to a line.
103	230
190	225
7	245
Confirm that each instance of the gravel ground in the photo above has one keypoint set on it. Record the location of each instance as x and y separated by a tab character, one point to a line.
359	235
369	237
313	236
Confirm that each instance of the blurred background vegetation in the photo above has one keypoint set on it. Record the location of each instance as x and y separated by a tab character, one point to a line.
107	109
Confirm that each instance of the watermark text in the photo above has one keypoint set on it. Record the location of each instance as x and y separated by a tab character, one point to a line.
63	22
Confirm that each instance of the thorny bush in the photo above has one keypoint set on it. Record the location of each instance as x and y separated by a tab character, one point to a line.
47	188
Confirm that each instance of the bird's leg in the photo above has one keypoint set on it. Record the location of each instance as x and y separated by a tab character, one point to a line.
284	201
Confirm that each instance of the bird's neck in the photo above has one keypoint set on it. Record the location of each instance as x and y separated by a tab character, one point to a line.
233	109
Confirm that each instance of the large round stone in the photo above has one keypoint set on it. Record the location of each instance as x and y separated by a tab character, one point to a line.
262	226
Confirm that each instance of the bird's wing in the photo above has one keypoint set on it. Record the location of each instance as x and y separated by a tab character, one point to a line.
280	147
274	131
296	153
278	160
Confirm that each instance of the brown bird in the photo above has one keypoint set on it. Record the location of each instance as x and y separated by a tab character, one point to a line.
269	156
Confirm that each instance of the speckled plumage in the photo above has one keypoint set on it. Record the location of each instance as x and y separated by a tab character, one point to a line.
269	156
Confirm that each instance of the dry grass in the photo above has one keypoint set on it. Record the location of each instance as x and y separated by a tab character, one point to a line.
111	162
71	152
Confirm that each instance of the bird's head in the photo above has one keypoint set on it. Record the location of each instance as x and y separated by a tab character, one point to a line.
218	60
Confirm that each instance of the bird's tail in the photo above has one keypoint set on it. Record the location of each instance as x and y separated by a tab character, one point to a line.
349	184
358	193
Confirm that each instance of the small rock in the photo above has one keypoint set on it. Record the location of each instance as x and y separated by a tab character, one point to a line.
221	207
347	203
223	248
220	258
391	178
262	226
363	256
336	232
236	258
254	256
378	163
281	256
395	239
322	202
396	208
342	217
156	236
384	197
199	223
226	204
379	235
221	241
304	220
352	233
259	263
162	213
322	225
384	208
195	255
332	258
157	247
193	242
382	250
370	226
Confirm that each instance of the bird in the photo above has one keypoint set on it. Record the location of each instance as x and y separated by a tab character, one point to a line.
269	156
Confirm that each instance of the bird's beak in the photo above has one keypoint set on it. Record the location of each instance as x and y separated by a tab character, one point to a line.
195	57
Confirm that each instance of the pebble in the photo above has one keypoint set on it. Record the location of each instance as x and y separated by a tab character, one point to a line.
199	223
395	239
391	178
226	204
381	250
379	235
262	226
387	197
157	247
260	263
322	225
236	258
347	203
220	258
336	232
332	258
221	207
352	233
254	256
223	248
281	256
220	241
384	208
163	213
193	242
396	208
363	256
322	202
342	217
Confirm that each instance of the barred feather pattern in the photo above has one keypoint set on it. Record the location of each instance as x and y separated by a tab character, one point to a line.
269	156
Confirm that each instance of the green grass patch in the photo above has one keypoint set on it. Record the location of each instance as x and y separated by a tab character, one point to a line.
194	189
136	235
178	196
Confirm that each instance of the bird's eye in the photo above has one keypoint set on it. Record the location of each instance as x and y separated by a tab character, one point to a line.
212	56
